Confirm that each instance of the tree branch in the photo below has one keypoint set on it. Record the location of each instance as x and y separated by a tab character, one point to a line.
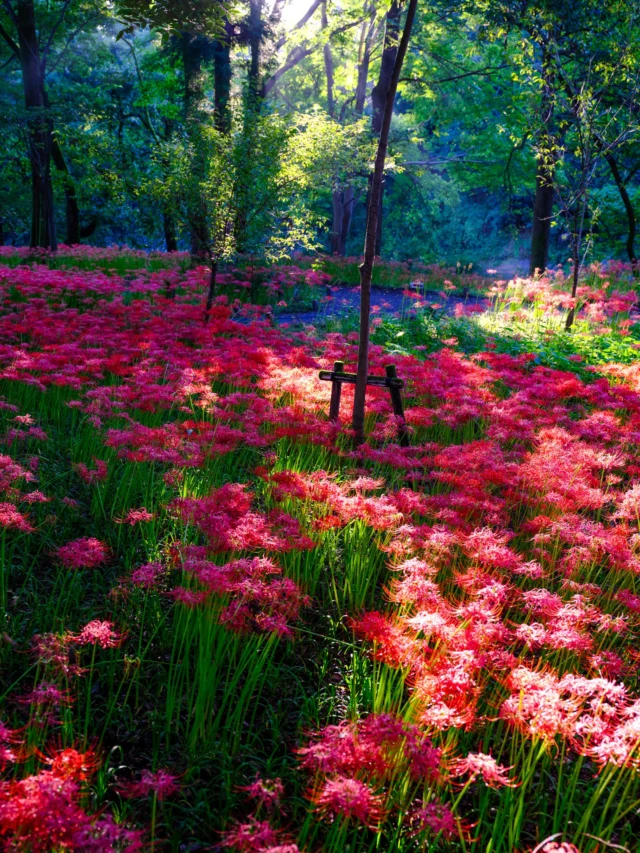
487	72
5	35
54	29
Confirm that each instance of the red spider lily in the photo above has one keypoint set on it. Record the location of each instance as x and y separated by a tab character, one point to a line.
226	519
556	847
348	798
85	553
160	783
136	516
97	633
11	749
42	813
379	746
267	792
10	518
435	818
46	694
92	476
70	763
54	650
148	576
254	836
477	764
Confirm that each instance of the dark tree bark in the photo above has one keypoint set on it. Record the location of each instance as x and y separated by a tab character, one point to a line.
543	201
628	206
222	82
379	91
255	34
328	64
344	201
168	220
366	268
39	128
212	290
71	199
542	213
389	53
195	50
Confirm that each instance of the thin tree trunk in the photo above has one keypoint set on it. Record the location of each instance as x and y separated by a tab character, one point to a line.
212	290
328	65
577	246
40	129
366	268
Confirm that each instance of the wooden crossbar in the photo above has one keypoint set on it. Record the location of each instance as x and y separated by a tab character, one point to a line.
338	377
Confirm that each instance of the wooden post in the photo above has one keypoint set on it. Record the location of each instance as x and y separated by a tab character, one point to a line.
396	402
336	391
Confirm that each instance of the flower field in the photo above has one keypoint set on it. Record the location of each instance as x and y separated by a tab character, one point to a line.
226	629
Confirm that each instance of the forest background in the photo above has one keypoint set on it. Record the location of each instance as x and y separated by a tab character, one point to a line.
250	128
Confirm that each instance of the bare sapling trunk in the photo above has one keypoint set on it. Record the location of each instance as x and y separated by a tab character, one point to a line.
212	290
366	268
577	246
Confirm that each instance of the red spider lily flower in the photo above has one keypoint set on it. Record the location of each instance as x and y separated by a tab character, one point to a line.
54	650
97	633
84	553
11	519
556	847
267	792
478	764
348	798
42	813
148	575
436	818
46	694
136	516
92	476
9	752
69	763
254	836
160	783
35	497
282	848
188	597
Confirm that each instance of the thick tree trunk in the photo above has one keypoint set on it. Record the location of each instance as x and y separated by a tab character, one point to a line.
168	219
628	206
379	91
389	53
542	213
222	83
194	51
256	28
366	268
71	199
545	175
39	129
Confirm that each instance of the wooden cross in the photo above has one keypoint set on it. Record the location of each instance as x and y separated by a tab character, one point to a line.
338	377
